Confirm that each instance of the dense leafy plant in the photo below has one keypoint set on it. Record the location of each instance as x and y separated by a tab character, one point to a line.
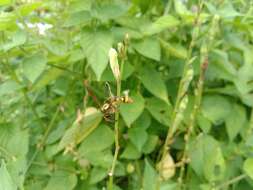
188	66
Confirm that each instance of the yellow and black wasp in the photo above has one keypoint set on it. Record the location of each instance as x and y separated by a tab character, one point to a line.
111	104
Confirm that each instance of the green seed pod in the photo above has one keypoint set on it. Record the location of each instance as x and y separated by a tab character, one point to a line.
180	113
186	81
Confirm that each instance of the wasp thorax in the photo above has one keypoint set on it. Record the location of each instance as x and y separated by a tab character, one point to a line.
105	107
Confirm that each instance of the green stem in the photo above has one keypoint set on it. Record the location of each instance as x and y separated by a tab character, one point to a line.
231	181
116	131
44	138
50	126
198	94
174	125
197	103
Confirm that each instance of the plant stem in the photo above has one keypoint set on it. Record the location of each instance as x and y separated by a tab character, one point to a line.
198	94
231	181
180	93
116	131
44	138
197	103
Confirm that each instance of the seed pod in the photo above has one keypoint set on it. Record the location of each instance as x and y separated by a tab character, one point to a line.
180	113
167	167
187	80
113	58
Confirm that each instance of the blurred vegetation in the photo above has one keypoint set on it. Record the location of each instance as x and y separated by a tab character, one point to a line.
189	70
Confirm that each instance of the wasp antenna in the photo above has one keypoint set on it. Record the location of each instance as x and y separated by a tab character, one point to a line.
109	89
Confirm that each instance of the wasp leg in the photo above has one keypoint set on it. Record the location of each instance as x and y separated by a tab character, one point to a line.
109	118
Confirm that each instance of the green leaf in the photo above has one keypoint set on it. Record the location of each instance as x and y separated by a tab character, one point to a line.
7	20
80	5
111	10
91	143
216	108
5	2
57	47
33	66
175	50
149	47
97	174
8	87
144	5
162	23
181	8
47	77
15	142
204	123
235	120
143	121
243	82
61	180
154	84
78	18
160	110
222	60
80	131
130	112
150	177
27	8
248	167
101	159
228	11
130	152
214	168
150	144
96	45
169	186
19	38
138	136
207	159
6	183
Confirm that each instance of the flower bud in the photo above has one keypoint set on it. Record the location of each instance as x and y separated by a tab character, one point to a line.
113	58
121	50
130	168
126	39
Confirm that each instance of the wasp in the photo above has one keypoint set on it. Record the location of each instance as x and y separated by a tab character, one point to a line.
111	104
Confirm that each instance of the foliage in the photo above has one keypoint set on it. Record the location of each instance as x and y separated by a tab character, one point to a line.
188	66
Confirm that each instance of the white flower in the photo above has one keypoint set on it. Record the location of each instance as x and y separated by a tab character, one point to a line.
41	27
